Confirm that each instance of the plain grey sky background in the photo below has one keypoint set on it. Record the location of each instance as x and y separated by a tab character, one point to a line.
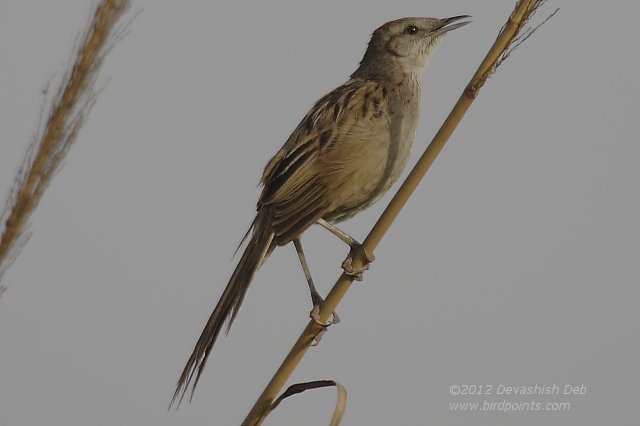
515	263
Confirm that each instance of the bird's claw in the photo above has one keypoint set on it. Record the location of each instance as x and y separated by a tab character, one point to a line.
347	265
315	316
317	301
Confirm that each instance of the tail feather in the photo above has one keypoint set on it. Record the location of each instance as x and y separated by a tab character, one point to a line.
258	249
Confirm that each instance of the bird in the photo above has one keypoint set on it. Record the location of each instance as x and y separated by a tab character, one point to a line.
345	153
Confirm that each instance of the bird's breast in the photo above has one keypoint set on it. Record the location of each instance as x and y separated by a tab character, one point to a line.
375	162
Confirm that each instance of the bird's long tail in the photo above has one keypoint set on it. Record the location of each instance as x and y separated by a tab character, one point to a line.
259	247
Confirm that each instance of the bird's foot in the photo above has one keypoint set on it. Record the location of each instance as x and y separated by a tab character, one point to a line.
315	316
348	267
315	312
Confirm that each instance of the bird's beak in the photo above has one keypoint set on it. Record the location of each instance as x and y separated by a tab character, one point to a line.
444	26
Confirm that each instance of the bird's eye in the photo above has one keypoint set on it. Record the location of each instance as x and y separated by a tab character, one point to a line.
411	30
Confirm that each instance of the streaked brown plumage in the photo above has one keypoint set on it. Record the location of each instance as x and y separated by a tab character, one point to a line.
345	153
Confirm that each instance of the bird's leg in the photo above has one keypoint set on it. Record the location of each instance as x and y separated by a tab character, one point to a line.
339	233
355	245
316	299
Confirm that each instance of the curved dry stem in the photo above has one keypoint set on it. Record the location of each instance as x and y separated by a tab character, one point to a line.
341	402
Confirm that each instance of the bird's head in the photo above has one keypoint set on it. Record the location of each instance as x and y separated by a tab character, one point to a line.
407	43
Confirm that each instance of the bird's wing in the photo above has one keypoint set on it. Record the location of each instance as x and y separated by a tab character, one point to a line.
294	187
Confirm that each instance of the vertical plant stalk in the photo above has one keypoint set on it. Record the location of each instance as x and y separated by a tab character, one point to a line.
69	108
509	34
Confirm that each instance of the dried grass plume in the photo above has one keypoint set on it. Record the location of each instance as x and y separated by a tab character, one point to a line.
69	108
